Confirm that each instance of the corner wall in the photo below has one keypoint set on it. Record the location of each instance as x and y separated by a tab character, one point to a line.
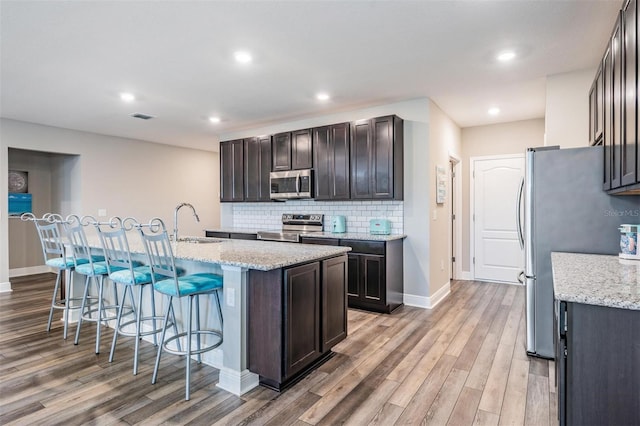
567	109
445	141
124	176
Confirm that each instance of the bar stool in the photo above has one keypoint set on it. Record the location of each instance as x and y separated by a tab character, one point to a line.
53	250
122	270
94	268
167	281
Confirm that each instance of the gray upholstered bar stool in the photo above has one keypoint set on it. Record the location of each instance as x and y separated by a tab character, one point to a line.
123	270
94	268
166	280
53	250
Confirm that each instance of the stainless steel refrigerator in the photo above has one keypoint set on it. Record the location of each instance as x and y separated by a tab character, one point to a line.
565	209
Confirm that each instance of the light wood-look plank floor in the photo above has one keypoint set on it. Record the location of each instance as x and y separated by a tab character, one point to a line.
462	363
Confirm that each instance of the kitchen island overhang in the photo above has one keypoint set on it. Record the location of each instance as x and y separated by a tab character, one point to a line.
234	259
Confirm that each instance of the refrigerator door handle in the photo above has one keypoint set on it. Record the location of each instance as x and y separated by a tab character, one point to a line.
519	214
521	277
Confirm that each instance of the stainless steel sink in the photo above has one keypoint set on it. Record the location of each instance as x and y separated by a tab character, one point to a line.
199	240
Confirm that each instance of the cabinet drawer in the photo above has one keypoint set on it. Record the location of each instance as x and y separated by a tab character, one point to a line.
243	236
365	247
216	234
320	241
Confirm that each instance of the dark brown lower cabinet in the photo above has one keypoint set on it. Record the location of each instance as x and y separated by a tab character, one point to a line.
295	316
232	235
597	364
375	280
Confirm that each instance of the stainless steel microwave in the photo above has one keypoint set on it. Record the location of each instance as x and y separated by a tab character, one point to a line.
291	184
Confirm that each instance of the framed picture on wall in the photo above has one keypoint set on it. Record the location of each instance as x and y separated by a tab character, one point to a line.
18	182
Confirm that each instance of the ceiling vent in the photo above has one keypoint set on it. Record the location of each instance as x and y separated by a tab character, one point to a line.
142	116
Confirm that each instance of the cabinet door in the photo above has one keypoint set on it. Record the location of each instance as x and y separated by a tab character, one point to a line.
599	106
301	150
231	171
607	127
334	302
302	317
354	276
373	268
616	112
217	234
281	152
257	166
382	157
361	159
593	114
629	147
331	162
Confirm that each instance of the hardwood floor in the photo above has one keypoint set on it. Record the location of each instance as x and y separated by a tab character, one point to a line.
461	363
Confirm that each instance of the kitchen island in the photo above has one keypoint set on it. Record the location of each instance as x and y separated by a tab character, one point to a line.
597	329
246	266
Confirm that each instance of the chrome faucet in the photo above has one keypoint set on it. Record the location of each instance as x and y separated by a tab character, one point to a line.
175	218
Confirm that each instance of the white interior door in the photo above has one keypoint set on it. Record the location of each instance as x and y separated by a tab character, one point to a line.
497	252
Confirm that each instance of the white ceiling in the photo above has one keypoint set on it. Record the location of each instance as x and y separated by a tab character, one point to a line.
65	63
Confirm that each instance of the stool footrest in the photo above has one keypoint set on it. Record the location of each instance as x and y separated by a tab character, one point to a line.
158	319
210	347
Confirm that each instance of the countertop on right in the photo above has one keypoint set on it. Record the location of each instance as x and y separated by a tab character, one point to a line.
596	279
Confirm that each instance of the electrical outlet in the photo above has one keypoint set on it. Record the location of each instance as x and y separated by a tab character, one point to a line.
435	215
442	265
102	212
231	296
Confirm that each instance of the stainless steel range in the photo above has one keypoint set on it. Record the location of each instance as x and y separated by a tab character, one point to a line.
292	226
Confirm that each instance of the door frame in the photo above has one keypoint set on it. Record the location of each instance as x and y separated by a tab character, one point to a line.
457	211
472	204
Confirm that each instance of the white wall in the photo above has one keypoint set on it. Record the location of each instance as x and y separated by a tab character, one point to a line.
445	141
124	176
567	108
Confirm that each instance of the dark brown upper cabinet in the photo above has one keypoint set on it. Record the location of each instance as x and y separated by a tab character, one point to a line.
629	148
376	158
292	150
257	166
617	82
232	171
331	154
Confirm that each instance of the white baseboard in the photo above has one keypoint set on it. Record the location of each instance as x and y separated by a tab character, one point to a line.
29	270
428	302
5	287
237	382
465	276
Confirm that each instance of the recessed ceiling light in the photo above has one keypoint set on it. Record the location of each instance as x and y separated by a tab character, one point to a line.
127	97
506	56
322	96
494	111
243	57
214	119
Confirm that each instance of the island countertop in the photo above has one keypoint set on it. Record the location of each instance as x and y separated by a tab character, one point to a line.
596	280
259	255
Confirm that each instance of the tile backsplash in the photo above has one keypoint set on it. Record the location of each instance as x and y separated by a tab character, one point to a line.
358	213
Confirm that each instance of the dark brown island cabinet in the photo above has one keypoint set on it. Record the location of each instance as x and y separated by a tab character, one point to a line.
232	235
375	272
597	364
292	150
295	316
613	105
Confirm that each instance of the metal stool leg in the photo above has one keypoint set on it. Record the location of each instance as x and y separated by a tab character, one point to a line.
67	302
117	327
101	313
162	337
53	299
83	305
199	356
189	324
138	325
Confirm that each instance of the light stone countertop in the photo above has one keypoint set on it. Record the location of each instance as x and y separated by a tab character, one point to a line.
343	236
250	254
596	280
